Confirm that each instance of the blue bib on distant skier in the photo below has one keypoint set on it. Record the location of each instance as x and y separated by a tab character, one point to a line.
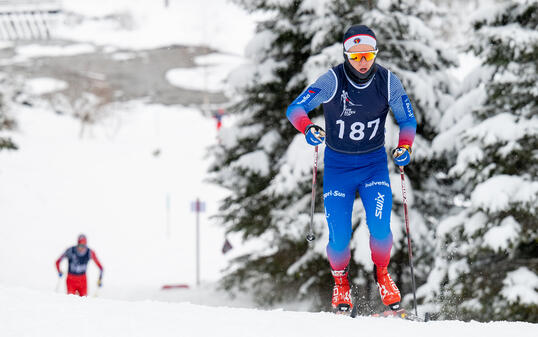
77	262
355	116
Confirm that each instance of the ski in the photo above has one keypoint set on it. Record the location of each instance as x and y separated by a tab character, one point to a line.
342	313
400	313
343	309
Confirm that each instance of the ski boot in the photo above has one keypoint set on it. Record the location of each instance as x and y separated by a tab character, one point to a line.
341	301
390	295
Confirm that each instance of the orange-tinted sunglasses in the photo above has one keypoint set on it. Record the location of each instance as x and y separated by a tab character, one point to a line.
357	56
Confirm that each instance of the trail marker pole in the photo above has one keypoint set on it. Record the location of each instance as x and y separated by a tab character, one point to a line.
198	207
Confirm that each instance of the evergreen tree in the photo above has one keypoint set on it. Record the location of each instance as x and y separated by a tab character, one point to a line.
267	165
257	161
7	122
486	266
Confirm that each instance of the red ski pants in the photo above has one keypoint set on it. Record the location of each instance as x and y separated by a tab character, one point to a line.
77	284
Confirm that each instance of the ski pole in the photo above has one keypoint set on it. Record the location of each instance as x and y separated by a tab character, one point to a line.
410	251
58	284
99	285
310	236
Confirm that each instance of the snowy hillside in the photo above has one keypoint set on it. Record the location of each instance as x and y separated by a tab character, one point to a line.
128	181
148	24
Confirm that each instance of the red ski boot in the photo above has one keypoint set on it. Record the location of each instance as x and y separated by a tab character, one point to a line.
341	301
390	295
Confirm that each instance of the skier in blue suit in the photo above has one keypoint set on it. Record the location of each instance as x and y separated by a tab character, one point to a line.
356	97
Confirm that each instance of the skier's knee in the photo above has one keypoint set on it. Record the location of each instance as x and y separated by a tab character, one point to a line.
341	243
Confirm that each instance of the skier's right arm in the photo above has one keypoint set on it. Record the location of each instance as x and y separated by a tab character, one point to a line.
58	264
319	92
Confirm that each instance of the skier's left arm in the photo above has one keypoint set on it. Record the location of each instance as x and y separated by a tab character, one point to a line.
403	113
96	260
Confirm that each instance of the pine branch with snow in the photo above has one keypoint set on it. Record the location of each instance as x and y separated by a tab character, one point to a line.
486	251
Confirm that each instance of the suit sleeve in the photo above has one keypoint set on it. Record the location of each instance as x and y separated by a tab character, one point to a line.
96	260
60	260
403	111
319	92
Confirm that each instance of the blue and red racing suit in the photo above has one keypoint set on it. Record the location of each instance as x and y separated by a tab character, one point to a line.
78	263
355	157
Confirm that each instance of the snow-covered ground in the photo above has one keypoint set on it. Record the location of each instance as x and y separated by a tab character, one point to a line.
209	75
148	24
33	313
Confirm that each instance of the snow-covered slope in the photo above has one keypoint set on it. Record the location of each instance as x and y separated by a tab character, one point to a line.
146	24
31	313
128	181
109	185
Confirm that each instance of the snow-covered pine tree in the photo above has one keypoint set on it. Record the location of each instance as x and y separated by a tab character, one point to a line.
267	166
6	123
8	91
486	257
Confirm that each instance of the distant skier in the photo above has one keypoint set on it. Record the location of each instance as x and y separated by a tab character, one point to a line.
78	257
356	97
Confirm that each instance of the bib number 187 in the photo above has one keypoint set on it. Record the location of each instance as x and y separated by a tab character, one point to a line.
356	130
